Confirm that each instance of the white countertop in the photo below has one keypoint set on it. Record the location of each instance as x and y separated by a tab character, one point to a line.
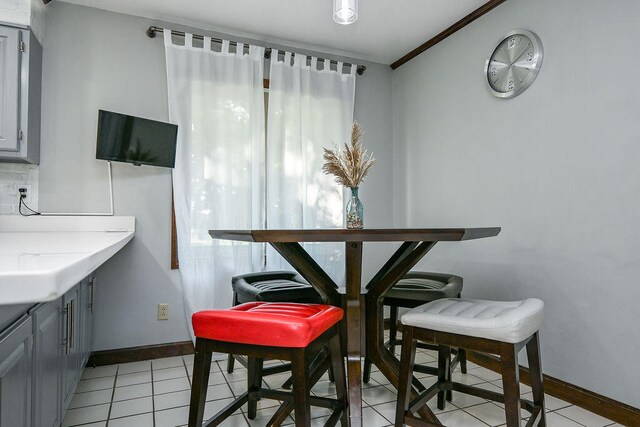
42	257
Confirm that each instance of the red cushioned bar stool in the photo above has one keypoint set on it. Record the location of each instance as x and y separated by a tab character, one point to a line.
259	330
270	286
494	327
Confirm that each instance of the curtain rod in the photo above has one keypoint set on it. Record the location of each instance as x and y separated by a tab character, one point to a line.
152	30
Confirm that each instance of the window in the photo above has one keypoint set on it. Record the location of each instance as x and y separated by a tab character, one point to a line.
175	264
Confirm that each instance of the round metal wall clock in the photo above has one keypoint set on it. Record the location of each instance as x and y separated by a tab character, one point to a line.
514	63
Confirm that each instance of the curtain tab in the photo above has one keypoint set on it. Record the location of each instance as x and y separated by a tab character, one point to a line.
225	46
167	37
287	58
339	67
299	60
256	52
206	44
274	55
314	63
188	40
239	48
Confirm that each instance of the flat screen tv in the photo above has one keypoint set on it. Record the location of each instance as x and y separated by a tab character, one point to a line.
130	139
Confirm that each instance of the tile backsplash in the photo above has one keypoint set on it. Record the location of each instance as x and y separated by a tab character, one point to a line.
12	177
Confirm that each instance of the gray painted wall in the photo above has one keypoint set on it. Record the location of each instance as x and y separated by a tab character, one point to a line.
556	167
95	59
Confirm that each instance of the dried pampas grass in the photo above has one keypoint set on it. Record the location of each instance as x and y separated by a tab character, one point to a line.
351	166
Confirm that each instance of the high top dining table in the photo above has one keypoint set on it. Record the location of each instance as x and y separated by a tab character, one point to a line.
416	243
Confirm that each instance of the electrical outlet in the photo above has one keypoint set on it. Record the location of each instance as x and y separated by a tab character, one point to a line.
27	192
163	311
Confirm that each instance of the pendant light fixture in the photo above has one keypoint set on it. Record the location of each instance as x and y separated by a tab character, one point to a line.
345	12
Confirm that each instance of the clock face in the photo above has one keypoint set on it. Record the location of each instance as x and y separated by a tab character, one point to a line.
514	64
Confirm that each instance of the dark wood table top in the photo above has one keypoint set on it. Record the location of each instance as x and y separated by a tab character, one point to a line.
357	235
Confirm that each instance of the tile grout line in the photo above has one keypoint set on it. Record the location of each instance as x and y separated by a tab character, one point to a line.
184	364
113	392
153	397
226	380
570	419
471	415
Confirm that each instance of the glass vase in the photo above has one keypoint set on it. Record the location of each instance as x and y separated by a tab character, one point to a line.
355	210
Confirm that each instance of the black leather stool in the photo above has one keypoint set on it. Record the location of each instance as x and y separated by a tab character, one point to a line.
270	286
414	289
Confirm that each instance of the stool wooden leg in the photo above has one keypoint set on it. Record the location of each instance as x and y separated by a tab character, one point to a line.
393	327
444	373
230	362
254	383
366	370
463	360
407	360
301	388
201	368
535	371
331	377
324	353
510	383
337	367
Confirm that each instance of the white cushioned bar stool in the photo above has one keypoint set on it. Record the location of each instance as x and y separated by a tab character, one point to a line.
494	327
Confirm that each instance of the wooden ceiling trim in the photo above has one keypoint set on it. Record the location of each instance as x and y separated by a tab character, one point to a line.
485	8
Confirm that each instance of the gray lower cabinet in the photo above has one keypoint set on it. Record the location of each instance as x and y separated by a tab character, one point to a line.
15	374
71	369
42	356
87	289
77	336
47	364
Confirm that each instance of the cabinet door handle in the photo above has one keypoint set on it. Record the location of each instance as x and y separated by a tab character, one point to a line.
67	339
72	325
92	283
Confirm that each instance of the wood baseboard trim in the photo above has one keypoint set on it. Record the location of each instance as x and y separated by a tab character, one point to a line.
136	354
612	409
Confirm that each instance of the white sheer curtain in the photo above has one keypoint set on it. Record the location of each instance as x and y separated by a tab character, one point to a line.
308	109
217	100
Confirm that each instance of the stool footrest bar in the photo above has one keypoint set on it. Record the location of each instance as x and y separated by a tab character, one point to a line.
422	399
411	420
227	410
535	417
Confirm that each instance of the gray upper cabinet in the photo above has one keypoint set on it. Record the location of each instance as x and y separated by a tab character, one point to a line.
20	95
15	374
9	83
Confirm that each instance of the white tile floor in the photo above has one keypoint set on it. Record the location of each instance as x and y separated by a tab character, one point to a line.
155	393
